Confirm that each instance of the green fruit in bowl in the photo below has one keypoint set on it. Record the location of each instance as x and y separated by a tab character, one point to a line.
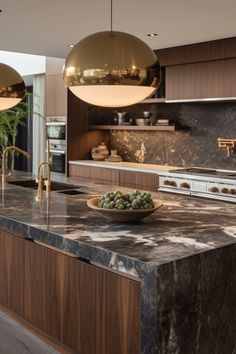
134	200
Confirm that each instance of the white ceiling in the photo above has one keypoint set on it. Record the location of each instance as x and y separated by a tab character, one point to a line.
46	27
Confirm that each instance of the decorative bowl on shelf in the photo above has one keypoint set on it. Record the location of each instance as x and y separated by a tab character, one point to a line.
142	121
122	215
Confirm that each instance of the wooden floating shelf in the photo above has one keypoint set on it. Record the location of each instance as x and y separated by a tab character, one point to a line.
133	127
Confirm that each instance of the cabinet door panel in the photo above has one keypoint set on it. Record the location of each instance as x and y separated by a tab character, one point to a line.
201	80
139	180
56	96
11	272
41	301
94	174
79	171
198	52
87	308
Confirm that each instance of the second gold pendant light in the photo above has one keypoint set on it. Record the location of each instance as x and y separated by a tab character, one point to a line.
111	69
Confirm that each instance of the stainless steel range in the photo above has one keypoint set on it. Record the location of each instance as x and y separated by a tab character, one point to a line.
201	182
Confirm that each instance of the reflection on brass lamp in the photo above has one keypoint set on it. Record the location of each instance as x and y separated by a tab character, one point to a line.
111	69
12	87
228	144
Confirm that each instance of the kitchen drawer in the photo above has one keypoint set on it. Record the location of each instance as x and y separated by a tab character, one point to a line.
138	180
129	179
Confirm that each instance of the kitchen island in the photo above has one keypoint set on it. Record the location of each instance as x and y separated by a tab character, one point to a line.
180	264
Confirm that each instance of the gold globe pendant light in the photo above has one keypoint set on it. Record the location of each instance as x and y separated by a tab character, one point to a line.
111	69
12	87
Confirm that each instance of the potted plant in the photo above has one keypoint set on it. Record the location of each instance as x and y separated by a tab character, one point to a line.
10	120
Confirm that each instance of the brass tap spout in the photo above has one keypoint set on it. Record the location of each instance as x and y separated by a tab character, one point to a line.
4	160
228	144
42	182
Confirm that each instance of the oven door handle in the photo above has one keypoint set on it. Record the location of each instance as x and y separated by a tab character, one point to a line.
58	151
55	123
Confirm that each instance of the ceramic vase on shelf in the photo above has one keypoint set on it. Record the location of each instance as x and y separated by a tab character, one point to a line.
114	157
121	117
100	153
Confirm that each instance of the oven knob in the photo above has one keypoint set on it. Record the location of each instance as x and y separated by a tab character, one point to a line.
169	183
225	190
214	189
185	185
232	191
173	183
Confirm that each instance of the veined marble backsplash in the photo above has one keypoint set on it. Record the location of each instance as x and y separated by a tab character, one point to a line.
195	146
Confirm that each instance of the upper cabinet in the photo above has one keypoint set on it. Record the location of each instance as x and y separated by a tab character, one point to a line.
212	79
198	52
200	71
56	92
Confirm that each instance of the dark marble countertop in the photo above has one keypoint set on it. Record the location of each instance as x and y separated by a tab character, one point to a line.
182	227
171	253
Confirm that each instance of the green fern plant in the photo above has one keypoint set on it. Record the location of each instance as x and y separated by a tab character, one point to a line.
10	121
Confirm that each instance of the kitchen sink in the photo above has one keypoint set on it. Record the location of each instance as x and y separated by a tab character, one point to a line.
55	186
71	192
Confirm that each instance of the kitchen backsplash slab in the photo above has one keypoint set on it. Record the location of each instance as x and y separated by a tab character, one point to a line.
194	146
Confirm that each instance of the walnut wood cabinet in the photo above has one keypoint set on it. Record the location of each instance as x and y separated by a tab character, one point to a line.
85	307
56	91
201	80
198	52
94	174
129	179
56	96
11	272
80	139
138	180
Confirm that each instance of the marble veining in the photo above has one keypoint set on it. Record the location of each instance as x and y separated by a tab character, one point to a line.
175	254
194	144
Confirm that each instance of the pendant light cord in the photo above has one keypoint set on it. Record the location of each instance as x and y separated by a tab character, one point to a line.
111	19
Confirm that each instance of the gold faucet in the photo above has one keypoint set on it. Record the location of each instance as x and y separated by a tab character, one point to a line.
4	160
228	144
44	182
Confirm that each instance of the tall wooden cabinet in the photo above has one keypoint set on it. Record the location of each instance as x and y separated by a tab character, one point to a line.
80	138
56	91
85	307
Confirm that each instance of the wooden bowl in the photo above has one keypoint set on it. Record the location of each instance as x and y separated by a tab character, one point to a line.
122	215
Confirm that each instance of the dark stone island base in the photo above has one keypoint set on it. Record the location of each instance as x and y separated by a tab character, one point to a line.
196	304
184	256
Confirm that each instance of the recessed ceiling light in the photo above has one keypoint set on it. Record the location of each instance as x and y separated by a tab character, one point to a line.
70	45
152	34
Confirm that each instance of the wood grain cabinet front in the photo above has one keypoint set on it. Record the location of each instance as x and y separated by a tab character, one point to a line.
138	180
94	174
201	80
56	96
87	308
123	178
11	272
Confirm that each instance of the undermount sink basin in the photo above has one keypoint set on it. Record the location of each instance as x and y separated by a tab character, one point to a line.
55	186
